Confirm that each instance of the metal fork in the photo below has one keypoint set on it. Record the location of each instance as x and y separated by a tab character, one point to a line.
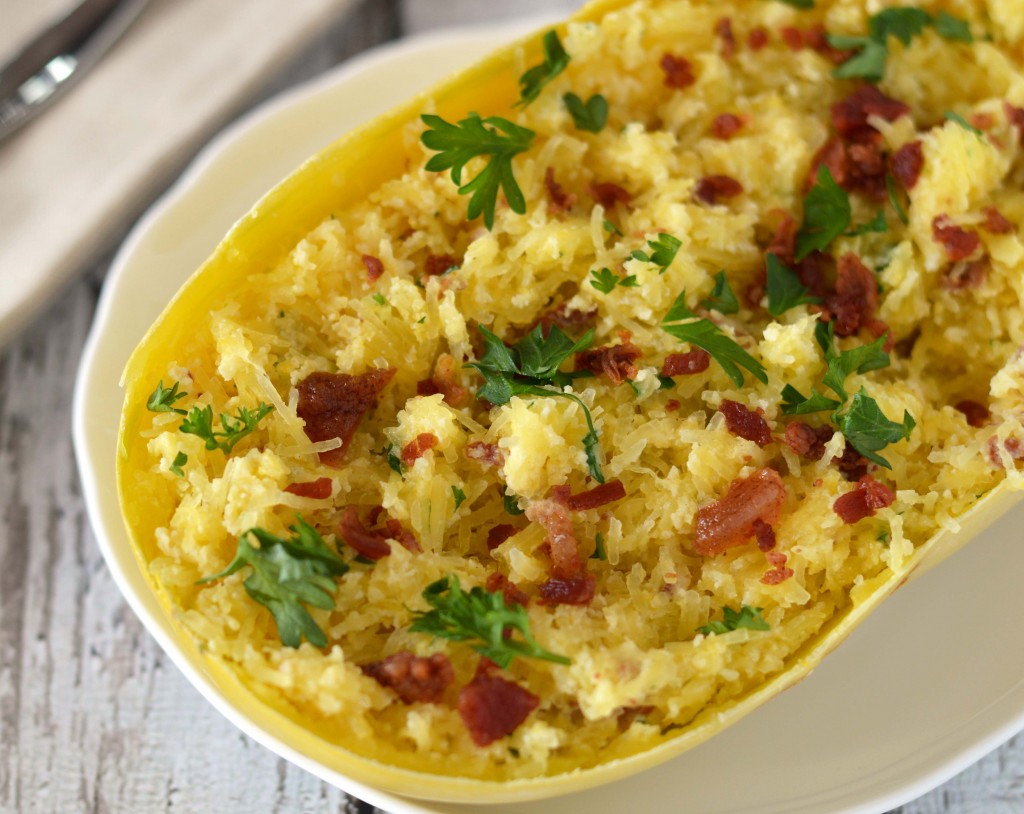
48	65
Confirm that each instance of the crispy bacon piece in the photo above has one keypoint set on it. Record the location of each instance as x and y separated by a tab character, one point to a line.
856	297
1014	448
370	544
686	364
513	595
726	125
672	405
996	223
850	116
1015	117
319	489
724	32
561	201
678	71
487	454
438	264
418	446
765	535
570	322
413	678
713	188
851	464
608	194
793	38
977	415
779	572
807	441
907	163
499	534
816	38
492	707
443	381
958	242
403	535
553	515
961	276
617	362
730	521
333	404
863	501
745	423
783	243
757	38
374	267
598	496
573	591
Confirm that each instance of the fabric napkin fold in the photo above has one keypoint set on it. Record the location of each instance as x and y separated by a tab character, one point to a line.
72	181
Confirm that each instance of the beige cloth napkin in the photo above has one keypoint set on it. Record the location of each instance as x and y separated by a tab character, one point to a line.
71	182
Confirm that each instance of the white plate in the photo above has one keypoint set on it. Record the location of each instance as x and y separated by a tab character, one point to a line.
927	686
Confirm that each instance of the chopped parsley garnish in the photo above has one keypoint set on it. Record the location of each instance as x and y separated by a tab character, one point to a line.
162	400
611	227
529	368
512	505
394	461
533	81
876	225
459	495
379	299
894	199
604	280
868	430
952	28
746	617
288	574
176	465
703	333
458	143
966	125
801	4
861	359
663	251
199	420
827	214
480	617
591	115
599	552
785	290
722	298
795	403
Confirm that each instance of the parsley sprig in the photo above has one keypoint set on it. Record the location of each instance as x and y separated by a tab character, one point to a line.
784	288
827	214
868	430
746	617
287	574
686	326
956	118
481	617
591	115
604	280
531	367
722	297
533	81
663	251
472	137
199	420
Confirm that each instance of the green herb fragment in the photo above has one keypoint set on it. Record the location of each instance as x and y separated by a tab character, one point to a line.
876	225
199	421
529	368
288	573
746	617
421	320
611	227
722	298
359	558
394	461
591	115
894	199
459	495
162	400
176	465
458	143
861	359
533	81
663	251
868	430
785	290
795	403
666	382
604	280
599	552
953	28
703	333
379	299
801	4
827	214
480	617
512	505
956	118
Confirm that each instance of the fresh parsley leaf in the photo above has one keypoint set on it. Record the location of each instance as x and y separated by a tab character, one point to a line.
722	298
663	251
480	617
176	466
869	64
876	225
966	125
746	617
861	359
590	116
512	505
705	334
611	227
785	290
599	552
459	495
827	214
288	573
894	199
796	403
162	400
606	279
533	81
379	299
458	143
199	421
904	23
802	4
868	430
953	28
394	461
666	382
824	335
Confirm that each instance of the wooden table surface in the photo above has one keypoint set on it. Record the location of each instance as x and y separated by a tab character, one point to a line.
93	716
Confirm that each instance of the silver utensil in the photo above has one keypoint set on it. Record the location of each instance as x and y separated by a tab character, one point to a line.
53	61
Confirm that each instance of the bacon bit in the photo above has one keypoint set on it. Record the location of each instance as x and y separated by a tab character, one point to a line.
856	297
712	188
333	404
561	201
487	454
783	244
729	522
807	441
757	38
672	405
863	501
851	464
778	574
413	679
727	125
513	595
608	194
958	242
598	496
776	557
1013	447
983	121
977	414
816	38
499	534
369	544
374	267
416	448
1015	118
765	535
574	591
319	489
907	163
678	71
686	364
617	362
438	264
492	707
553	515
792	37
965	275
996	223
723	29
746	423
405	537
850	116
443	381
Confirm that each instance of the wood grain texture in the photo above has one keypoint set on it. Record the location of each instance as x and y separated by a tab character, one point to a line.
93	717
